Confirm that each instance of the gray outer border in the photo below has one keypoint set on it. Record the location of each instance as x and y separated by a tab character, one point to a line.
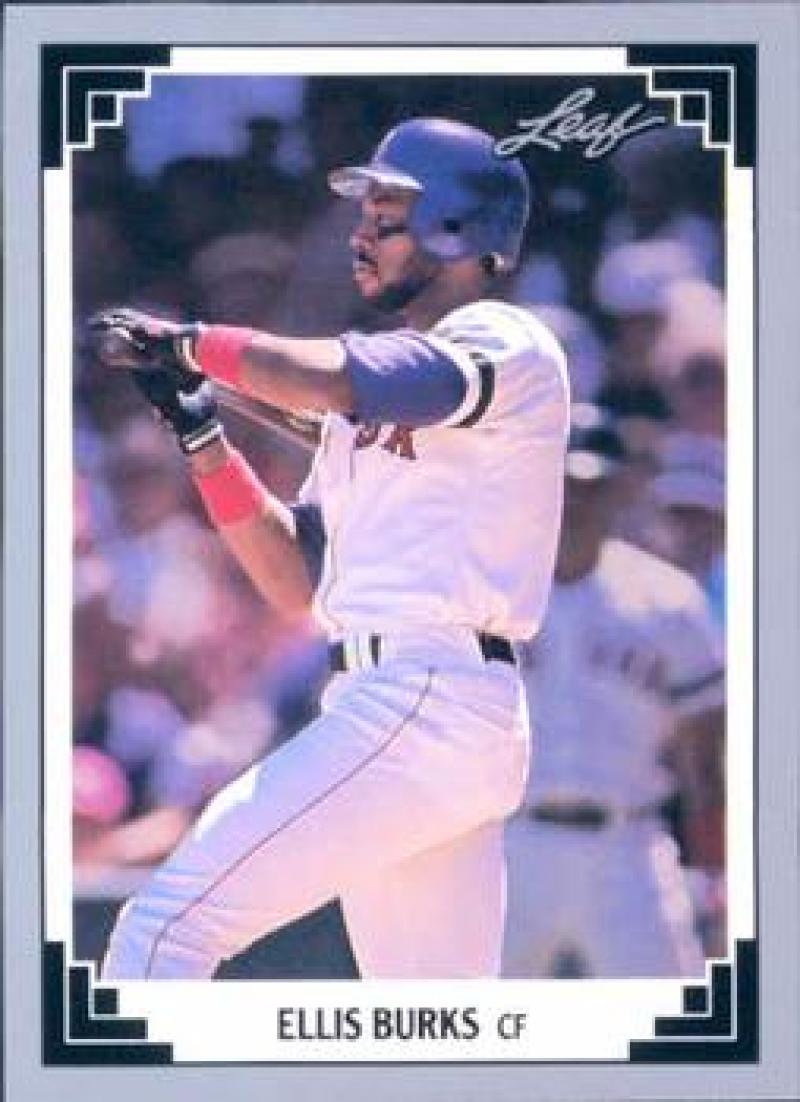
776	27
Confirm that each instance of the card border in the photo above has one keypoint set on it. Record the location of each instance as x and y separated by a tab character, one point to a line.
790	165
726	1028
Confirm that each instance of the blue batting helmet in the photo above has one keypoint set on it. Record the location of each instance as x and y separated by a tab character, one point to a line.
470	201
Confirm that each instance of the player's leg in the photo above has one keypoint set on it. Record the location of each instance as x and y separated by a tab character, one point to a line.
272	845
642	923
369	783
540	897
438	913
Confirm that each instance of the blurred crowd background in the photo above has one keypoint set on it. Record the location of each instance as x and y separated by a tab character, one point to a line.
210	202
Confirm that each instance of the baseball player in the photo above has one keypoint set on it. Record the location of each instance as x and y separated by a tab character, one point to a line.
424	540
628	664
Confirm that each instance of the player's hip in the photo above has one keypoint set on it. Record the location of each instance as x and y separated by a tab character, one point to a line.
455	725
432	641
467	666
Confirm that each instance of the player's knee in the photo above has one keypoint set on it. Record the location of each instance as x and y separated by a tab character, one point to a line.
129	945
146	943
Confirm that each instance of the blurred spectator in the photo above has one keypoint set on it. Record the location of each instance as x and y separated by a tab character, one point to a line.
100	800
159	768
631	286
582	346
173	651
104	270
239	276
182	762
100	792
194	204
159	585
269	197
673	189
626	669
690	488
541	278
690	491
690	357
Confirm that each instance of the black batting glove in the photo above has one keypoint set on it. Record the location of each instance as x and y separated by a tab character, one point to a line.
183	400
126	338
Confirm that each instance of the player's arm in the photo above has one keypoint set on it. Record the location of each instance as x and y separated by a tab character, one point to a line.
271	542
401	377
695	694
288	372
697	757
257	528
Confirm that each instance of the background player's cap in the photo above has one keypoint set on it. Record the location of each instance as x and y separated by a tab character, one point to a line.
471	202
635	278
595	448
694	332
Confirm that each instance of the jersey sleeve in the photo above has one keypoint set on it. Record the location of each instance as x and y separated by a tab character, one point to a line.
696	661
512	364
402	377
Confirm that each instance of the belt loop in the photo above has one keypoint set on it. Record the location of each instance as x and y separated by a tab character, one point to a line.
351	655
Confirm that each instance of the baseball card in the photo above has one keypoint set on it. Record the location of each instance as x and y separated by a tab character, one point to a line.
397	420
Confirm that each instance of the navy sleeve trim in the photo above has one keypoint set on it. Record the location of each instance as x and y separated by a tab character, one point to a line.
486	375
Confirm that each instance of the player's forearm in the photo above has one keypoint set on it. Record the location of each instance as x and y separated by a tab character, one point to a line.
264	542
283	371
699	764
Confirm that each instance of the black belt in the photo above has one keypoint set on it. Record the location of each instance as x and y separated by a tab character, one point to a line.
587	815
493	649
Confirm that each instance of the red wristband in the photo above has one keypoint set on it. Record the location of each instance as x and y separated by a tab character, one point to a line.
218	352
232	492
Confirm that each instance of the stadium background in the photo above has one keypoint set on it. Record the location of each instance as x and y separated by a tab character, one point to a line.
210	202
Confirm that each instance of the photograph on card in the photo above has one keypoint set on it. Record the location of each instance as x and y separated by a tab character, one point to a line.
398	600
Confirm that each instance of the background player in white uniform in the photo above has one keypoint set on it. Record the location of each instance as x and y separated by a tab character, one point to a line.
435	500
628	665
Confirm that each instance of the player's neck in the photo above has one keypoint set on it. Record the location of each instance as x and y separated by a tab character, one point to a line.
427	309
438	298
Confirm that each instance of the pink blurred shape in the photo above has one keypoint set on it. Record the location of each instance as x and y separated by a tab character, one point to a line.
100	789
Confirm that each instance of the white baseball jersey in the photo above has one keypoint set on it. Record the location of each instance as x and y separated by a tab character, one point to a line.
623	653
456	523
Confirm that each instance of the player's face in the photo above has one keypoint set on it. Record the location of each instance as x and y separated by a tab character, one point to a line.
388	267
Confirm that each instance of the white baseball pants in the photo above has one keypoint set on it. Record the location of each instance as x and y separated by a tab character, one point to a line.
616	896
392	800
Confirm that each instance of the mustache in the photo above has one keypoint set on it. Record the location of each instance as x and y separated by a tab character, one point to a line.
361	256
